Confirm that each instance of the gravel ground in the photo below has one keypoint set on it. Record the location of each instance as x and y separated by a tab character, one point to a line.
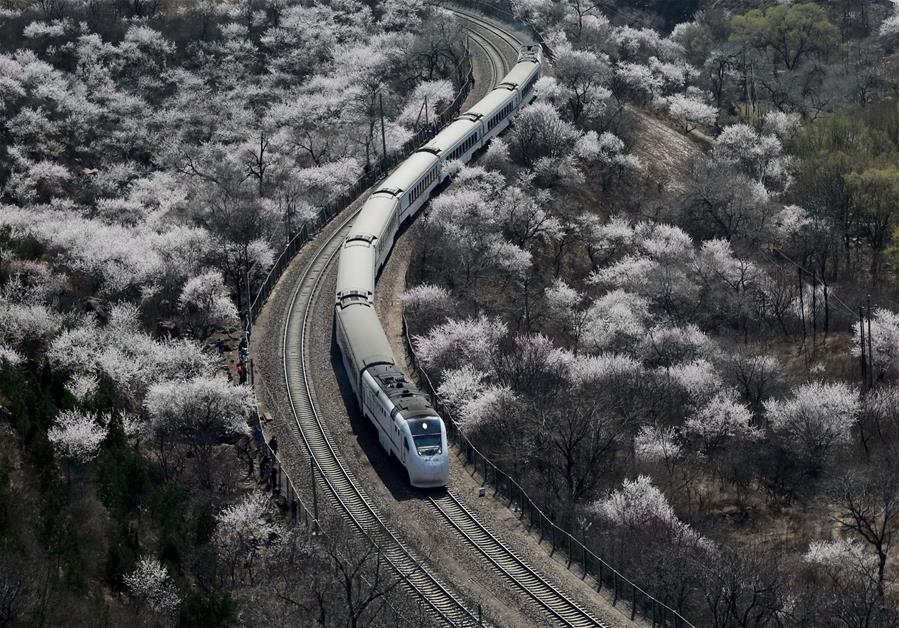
494	514
384	481
411	516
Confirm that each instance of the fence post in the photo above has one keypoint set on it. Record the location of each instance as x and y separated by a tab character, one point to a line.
568	566
615	587
552	527
633	601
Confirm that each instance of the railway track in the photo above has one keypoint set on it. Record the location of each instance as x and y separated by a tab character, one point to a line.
498	64
510	41
331	470
342	487
558	607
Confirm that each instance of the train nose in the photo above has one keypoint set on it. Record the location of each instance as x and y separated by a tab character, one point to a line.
433	471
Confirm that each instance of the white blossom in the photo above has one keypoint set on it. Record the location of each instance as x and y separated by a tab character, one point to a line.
490	403
782	125
457	342
130	358
844	554
10	356
666	346
720	420
639	504
150	584
78	435
428	298
791	221
884	339
890	25
698	379
636	504
438	94
816	418
616	319
606	369
200	404
690	112
82	385
461	384
496	157
245	532
205	301
656	444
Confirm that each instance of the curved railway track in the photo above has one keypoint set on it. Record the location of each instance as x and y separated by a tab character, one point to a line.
332	472
554	603
497	64
342	487
510	40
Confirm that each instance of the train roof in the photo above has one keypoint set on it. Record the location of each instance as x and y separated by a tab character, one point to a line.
408	172
520	74
492	102
531	52
365	335
405	395
355	270
449	137
375	217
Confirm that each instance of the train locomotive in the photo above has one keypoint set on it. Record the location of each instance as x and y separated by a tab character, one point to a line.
408	426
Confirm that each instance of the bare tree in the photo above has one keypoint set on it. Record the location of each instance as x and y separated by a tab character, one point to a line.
870	510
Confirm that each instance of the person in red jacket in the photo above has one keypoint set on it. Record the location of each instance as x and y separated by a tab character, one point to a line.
241	369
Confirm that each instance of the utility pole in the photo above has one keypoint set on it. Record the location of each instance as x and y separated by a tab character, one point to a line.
249	300
801	304
870	350
383	133
864	361
814	307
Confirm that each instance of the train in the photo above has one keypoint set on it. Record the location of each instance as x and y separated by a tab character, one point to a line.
408	426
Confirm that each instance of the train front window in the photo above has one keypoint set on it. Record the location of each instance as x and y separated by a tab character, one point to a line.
427	436
428	445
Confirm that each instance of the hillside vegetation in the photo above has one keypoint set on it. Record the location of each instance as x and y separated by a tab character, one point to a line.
676	364
154	158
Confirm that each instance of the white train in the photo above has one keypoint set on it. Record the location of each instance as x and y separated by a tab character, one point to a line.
408	427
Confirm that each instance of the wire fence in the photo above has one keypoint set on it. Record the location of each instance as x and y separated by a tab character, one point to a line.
271	470
575	553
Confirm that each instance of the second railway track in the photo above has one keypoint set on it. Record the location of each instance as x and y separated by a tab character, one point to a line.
446	605
332	472
554	603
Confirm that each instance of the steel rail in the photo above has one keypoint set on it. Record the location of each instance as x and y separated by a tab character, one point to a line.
352	501
496	69
445	605
560	607
548	597
509	38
